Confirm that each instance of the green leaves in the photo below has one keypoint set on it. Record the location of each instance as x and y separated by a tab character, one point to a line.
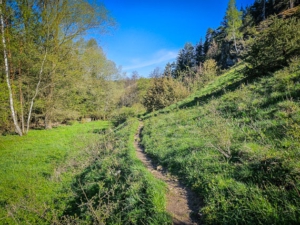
276	44
163	92
234	23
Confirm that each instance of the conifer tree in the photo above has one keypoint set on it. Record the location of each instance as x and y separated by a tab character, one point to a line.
185	59
199	53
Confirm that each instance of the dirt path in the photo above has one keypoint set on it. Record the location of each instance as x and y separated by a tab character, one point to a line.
182	203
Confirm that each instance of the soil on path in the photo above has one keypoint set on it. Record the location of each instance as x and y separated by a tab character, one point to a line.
182	204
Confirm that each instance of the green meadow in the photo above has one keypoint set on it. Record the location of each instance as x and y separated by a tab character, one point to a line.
66	174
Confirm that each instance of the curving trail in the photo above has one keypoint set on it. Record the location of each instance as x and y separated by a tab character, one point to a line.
182	204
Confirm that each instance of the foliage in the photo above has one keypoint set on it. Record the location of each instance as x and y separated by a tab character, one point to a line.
185	59
238	149
4	114
47	63
233	23
209	70
276	44
163	92
119	116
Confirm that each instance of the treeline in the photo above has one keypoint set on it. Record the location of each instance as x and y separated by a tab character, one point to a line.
265	35
49	74
231	41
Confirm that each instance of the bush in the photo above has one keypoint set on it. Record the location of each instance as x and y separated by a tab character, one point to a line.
121	115
275	45
163	92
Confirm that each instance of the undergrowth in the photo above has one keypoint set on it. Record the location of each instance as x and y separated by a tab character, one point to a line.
238	150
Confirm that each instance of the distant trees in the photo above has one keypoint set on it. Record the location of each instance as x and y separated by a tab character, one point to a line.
231	42
199	53
262	9
186	59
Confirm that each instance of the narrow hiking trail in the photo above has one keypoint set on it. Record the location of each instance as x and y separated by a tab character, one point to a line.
182	204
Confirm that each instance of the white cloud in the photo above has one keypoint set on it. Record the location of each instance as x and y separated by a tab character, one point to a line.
157	58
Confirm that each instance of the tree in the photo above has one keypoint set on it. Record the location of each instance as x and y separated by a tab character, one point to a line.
40	45
186	57
199	53
6	66
275	45
233	24
169	70
208	39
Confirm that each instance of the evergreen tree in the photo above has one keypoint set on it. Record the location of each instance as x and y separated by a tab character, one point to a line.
208	39
275	45
185	59
199	53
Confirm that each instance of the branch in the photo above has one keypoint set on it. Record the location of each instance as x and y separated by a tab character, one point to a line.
228	156
36	91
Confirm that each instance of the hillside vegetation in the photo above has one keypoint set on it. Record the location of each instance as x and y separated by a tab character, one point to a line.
236	143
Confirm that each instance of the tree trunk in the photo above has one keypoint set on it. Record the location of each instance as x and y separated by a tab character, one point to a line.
21	105
49	99
264	10
234	39
11	101
48	122
36	92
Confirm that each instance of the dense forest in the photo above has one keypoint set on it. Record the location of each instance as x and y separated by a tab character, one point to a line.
223	118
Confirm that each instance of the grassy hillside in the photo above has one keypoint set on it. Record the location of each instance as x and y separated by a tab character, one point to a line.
77	174
237	143
229	80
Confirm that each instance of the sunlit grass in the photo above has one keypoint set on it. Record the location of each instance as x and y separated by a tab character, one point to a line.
28	164
238	149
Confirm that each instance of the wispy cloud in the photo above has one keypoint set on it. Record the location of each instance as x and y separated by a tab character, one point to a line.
160	56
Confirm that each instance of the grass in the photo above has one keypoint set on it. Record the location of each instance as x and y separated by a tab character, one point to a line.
239	149
115	187
28	166
79	174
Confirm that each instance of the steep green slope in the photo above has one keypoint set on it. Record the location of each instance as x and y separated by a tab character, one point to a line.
229	80
238	145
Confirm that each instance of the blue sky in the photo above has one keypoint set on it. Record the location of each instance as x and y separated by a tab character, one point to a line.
150	33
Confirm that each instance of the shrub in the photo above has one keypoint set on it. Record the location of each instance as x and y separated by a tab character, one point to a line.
275	45
121	115
163	92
